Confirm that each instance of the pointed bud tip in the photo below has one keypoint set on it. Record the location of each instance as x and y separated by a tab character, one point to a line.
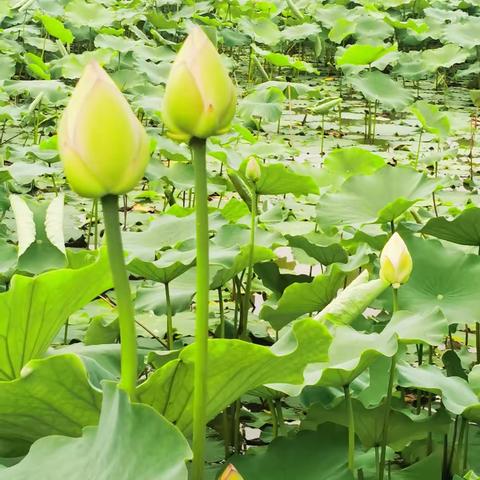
231	473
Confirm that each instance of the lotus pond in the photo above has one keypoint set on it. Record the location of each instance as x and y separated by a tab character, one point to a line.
240	240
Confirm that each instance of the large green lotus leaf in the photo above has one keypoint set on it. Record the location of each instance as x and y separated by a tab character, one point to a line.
41	245
279	179
265	104
428	468
302	298
164	231
432	119
364	54
262	30
283	60
474	379
341	30
420	327
307	456
108	451
220	275
169	266
403	428
312	245
350	353
34	309
152	297
379	87
52	396
95	15
442	278
347	162
234	367
456	393
444	57
353	300
391	191
411	24
300	32
465	34
102	361
464	229
269	274
411	66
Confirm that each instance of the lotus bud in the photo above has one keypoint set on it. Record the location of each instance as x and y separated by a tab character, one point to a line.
252	171
200	98
231	473
395	262
103	146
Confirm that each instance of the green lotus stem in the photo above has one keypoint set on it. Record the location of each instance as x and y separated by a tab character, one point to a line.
198	146
65	333
457	464
351	428
221	308
169	317
323	135
243	330
296	12
388	401
395	300
273	413
419	148
263	72
451	456
126	315
95	226
465	450
477	340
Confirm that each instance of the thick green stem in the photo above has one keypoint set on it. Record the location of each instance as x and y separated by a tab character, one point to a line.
351	428
126	315
169	317
388	402
222	313
273	413
243	330
395	300
201	322
477	341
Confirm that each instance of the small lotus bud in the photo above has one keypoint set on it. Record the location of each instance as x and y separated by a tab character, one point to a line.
253	171
103	146
200	98
231	473
395	262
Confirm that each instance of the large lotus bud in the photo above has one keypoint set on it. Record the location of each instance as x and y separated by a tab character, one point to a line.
200	98
252	170
231	473
103	146
395	261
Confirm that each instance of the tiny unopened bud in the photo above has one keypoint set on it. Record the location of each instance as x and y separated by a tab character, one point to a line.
395	261
253	171
200	98
103	146
231	473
